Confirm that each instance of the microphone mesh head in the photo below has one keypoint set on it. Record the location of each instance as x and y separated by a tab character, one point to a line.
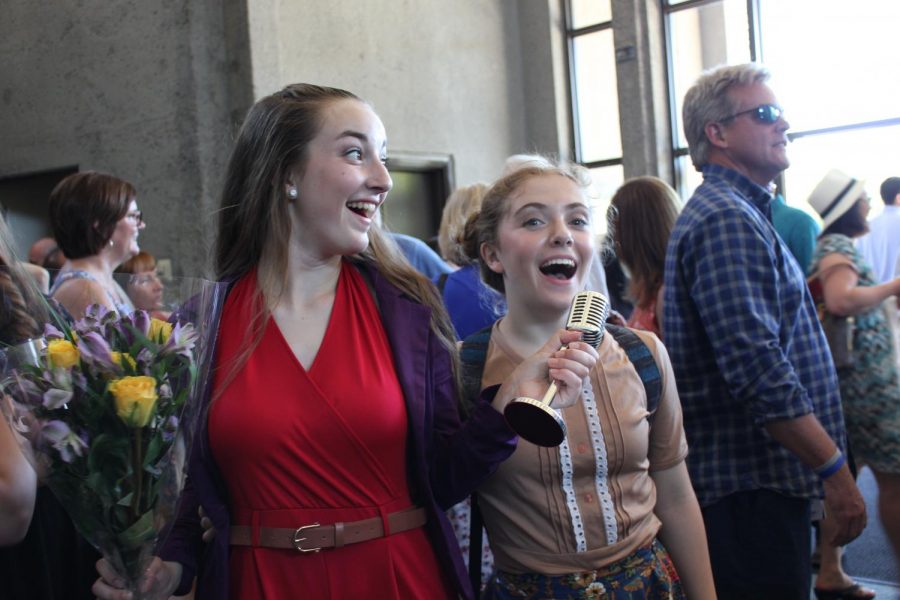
588	315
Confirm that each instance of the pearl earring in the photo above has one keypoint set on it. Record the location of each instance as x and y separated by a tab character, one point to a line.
292	193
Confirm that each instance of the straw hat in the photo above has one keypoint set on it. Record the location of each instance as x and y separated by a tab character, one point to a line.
834	195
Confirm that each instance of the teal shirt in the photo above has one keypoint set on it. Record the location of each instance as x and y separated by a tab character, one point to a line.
798	230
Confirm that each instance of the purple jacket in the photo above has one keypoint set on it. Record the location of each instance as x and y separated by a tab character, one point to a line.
446	461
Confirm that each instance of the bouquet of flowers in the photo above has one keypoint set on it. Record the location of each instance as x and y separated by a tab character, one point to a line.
105	408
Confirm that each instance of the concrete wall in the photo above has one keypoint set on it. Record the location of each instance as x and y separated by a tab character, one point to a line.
445	77
136	89
152	91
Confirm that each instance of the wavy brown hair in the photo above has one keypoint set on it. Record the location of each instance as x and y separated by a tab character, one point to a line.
640	219
23	310
254	222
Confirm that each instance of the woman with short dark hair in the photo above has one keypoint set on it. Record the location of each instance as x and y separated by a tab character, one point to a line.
96	222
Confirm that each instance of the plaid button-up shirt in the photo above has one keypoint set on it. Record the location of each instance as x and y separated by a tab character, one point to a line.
745	342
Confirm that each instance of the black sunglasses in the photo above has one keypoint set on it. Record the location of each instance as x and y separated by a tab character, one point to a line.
764	113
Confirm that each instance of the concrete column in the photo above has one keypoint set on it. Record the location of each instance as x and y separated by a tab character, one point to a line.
643	105
548	114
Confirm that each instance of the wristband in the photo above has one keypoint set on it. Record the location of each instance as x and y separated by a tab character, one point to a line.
831	466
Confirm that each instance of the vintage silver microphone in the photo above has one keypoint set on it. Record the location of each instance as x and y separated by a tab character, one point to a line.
534	420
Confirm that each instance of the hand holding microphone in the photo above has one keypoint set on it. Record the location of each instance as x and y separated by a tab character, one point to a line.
535	420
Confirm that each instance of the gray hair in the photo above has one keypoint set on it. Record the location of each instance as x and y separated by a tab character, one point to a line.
707	101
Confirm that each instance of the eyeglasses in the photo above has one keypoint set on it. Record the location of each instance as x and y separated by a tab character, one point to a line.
764	113
136	216
144	278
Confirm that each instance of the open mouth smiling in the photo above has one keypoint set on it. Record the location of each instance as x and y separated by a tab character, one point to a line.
559	268
363	209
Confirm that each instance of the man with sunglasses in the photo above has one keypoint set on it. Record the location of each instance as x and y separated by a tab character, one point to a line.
758	387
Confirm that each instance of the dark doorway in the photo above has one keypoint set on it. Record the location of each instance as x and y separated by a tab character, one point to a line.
422	183
24	200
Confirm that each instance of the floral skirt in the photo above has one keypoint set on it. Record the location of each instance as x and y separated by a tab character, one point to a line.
648	573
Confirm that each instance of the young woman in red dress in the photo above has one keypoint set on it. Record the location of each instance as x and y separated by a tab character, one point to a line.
331	445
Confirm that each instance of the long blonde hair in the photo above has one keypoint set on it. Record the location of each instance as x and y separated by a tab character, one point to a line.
462	203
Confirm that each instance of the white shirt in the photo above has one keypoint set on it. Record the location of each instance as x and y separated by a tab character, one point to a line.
881	246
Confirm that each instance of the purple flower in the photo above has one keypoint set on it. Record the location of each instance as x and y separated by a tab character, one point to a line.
129	328
95	351
181	341
141	320
60	378
30	392
92	319
145	359
52	333
169	429
55	398
64	440
79	381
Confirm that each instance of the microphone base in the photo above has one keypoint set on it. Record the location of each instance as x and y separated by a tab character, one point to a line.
536	422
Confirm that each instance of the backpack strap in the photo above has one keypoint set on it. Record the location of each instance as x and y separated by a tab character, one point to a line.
643	362
442	282
472	355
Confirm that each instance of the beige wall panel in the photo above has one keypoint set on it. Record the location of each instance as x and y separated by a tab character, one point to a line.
444	76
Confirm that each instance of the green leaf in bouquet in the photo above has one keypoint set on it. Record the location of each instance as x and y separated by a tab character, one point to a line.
142	530
153	450
103	489
109	457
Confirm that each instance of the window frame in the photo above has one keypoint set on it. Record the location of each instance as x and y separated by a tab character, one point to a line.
755	40
571	34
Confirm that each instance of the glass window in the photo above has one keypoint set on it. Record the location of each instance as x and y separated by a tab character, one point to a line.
687	176
875	156
604	183
596	97
847	71
589	12
702	38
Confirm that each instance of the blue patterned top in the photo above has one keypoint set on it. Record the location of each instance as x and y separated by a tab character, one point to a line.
122	305
745	342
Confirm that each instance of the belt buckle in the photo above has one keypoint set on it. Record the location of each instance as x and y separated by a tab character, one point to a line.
298	539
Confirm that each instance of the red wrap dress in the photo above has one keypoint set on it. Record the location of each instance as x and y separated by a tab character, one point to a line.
326	445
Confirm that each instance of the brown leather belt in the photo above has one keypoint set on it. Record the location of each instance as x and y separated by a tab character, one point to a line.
315	537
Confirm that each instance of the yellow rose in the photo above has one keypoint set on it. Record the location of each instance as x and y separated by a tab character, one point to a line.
117	358
135	399
160	331
62	353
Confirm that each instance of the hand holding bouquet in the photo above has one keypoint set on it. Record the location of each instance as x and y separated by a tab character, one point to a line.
104	409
